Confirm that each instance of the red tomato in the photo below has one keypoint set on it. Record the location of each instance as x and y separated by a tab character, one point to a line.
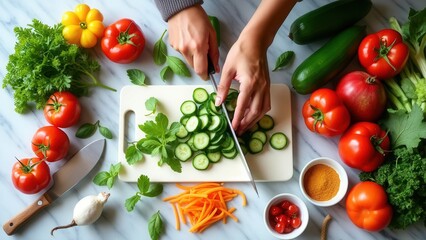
296	222
367	206
363	95
30	175
363	146
51	143
62	109
325	113
279	227
383	54
281	218
123	41
275	211
292	211
285	204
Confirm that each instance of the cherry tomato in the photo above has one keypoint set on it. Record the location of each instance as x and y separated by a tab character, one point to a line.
324	113
293	210
275	211
62	109
30	175
51	143
285	204
281	218
279	227
123	41
363	146
296	222
367	206
383	54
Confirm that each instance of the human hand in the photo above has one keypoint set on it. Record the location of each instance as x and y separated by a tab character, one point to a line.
191	34
247	63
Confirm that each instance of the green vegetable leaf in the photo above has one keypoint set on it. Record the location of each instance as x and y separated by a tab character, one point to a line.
178	66
143	184
86	130
162	121
133	155
155	226
151	128
164	72
106	178
160	51
131	202
105	132
151	144
151	105
283	60
137	77
43	63
406	129
154	190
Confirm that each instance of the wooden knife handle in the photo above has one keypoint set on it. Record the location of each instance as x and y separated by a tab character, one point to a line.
10	226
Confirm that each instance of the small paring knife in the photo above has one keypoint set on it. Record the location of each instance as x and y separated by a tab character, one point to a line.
69	175
211	72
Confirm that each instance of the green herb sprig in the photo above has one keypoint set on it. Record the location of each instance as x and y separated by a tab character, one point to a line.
87	130
155	226
174	64
283	60
137	77
107	178
146	189
43	63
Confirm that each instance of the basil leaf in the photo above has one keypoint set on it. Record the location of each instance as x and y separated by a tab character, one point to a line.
86	130
136	76
160	51
143	183
283	60
163	73
151	105
105	132
154	190
178	66
133	155
131	202
101	178
155	226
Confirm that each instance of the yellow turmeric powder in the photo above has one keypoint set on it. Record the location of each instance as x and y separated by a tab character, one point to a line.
321	182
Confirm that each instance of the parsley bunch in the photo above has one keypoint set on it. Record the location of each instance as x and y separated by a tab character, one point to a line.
160	139
43	62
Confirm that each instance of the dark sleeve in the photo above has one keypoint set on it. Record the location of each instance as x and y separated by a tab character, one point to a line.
168	8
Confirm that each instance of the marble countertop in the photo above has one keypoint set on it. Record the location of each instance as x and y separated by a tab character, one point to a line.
116	223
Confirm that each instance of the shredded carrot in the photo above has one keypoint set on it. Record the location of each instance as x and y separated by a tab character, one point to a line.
203	204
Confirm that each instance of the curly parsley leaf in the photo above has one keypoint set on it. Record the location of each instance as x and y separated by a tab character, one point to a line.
406	129
107	178
43	63
136	77
155	226
146	188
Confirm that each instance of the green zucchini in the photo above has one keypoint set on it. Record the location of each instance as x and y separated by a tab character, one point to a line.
324	64
328	20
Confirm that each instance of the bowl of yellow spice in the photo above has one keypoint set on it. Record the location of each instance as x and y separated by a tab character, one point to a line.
323	181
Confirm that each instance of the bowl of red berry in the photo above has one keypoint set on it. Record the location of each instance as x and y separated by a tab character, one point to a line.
286	216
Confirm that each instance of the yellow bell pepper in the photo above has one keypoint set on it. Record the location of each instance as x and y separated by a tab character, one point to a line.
83	26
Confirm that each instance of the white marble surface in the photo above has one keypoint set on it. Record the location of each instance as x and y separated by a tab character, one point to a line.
116	223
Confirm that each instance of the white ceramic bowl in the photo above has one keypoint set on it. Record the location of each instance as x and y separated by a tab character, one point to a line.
342	175
304	215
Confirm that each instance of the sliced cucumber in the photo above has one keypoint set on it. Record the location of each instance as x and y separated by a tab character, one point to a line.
182	133
201	140
260	135
201	161
278	140
188	108
215	124
200	95
266	122
231	154
193	124
205	121
183	152
214	157
255	146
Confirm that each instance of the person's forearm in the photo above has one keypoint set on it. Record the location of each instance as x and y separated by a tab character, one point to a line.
267	19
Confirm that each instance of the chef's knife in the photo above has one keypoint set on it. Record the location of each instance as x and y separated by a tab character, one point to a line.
75	169
211	72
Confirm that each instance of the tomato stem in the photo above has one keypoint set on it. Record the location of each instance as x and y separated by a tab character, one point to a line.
383	52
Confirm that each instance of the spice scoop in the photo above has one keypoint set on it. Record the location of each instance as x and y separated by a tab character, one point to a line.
323	181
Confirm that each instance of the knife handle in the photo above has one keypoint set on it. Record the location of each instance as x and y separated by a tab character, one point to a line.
10	226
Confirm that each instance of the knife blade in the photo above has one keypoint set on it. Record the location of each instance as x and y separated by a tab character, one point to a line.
211	72
69	175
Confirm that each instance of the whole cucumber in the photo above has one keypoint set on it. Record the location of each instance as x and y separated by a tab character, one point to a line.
328	20
324	64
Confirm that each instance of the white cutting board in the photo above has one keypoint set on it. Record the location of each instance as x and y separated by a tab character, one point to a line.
269	166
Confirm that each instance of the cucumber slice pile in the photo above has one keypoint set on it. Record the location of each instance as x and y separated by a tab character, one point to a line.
205	138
